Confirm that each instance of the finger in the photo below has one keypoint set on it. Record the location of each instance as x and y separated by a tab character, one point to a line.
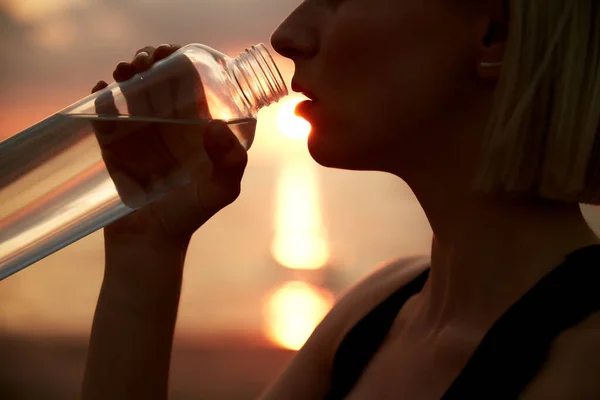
231	168
142	61
164	50
188	92
228	156
218	139
99	86
160	95
147	49
105	106
123	72
158	85
137	97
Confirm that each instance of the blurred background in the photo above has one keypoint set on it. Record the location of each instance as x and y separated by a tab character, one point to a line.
259	276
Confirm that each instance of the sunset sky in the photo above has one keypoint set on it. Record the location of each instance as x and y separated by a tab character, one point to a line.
52	52
293	215
263	271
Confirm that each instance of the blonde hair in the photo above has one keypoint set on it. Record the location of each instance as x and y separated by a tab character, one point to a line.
543	135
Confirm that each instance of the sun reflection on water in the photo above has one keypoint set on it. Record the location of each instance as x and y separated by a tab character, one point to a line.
300	240
293	311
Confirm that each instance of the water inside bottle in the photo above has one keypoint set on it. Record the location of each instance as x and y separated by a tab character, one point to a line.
55	187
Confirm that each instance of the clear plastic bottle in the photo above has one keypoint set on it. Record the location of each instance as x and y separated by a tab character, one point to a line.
56	183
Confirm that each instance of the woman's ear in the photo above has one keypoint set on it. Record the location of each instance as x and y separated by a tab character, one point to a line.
493	42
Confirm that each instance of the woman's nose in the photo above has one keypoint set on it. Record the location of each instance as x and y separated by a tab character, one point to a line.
296	38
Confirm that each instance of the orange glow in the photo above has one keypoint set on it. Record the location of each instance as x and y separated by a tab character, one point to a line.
55	33
301	251
291	125
300	240
34	10
293	311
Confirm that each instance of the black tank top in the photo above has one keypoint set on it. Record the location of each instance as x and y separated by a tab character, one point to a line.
512	351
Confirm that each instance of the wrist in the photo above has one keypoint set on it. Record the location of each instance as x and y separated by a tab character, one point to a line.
146	266
141	300
146	238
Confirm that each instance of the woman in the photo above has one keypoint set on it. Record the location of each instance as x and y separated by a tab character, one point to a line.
489	110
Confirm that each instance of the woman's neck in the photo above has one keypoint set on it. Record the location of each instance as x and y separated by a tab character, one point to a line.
487	252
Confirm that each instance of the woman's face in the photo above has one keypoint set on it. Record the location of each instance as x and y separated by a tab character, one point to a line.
391	79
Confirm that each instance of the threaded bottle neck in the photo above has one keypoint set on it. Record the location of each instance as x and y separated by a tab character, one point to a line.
257	77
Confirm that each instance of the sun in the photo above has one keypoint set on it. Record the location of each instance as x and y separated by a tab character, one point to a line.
291	125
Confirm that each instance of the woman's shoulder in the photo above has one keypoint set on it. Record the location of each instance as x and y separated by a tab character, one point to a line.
364	296
572	369
307	376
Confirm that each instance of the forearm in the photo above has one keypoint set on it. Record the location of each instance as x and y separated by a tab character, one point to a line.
132	333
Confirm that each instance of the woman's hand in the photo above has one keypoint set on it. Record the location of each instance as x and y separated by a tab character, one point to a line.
199	166
145	158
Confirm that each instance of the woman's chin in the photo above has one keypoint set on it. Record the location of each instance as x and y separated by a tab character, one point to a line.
334	154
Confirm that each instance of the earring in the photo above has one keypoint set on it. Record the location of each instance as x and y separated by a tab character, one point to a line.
491	64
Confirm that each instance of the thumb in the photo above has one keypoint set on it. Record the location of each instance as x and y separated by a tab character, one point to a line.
229	160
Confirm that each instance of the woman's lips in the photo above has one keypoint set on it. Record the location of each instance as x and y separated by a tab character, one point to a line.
306	109
297	87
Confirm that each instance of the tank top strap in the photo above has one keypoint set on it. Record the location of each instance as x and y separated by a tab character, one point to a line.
364	339
517	345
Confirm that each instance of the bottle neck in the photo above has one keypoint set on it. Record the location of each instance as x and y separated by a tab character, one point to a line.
257	77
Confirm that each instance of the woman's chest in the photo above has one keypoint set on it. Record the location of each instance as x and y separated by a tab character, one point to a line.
413	369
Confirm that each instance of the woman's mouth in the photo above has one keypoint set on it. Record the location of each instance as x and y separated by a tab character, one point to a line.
296	87
306	109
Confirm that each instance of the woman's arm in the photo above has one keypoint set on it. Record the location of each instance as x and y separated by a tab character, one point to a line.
132	333
130	346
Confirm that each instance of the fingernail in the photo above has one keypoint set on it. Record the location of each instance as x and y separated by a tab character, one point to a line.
143	54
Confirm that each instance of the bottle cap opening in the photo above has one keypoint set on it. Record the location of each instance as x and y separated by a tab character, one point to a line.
259	78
